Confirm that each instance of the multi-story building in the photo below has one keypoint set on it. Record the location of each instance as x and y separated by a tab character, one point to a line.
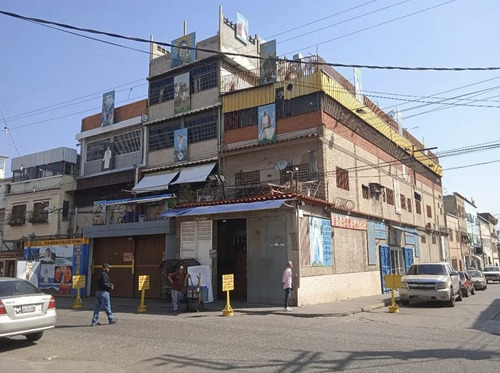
488	238
454	241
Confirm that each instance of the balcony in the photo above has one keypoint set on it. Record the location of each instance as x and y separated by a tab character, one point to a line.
16	220
38	217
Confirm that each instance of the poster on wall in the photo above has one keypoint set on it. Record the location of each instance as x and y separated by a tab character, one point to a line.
182	98
56	262
268	62
180	145
241	28
320	241
108	109
28	270
183	50
267	123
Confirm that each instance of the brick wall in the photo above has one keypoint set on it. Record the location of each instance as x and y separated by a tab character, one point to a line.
129	111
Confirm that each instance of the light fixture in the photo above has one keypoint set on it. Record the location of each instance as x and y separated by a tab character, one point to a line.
5	129
289	87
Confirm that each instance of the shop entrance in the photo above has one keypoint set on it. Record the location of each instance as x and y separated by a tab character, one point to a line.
232	255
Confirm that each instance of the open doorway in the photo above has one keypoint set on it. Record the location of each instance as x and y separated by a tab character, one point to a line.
232	255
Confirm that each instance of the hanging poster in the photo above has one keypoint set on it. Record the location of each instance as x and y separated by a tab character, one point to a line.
241	28
183	50
320	241
182	98
181	145
108	108
268	62
267	123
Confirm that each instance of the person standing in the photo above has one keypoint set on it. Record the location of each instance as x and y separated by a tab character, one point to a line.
178	281
286	281
102	299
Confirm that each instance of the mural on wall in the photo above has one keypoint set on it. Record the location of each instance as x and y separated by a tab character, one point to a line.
182	97
267	123
99	214
241	28
181	51
28	270
181	145
107	159
56	261
108	108
268	62
320	241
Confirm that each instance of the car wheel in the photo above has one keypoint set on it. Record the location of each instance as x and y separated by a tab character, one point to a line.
466	293
451	302
34	336
460	297
473	291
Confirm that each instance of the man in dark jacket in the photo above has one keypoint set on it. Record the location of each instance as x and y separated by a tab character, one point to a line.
102	300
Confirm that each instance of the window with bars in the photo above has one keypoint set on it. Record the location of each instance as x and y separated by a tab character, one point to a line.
390	196
202	128
18	215
290	173
203	77
162	137
342	177
249	177
408	204
429	211
127	143
240	118
161	90
365	191
418	207
96	149
39	214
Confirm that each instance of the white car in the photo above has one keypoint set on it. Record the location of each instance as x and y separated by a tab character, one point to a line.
427	282
25	309
491	274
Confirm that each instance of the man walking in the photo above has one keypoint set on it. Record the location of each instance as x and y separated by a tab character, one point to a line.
178	281
286	281
102	300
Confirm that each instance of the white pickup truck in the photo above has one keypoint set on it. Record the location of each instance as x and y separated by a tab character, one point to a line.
492	274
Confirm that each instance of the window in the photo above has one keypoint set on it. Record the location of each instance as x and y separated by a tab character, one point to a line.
162	137
95	150
450	237
390	196
408	204
429	211
250	177
291	173
365	191
39	214
424	239
18	215
127	143
202	128
434	239
240	118
204	77
161	90
418	207
342	177
403	201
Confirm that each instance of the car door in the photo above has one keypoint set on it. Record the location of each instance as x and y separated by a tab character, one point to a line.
455	279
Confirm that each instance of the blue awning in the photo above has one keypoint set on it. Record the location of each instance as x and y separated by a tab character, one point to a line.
220	209
124	201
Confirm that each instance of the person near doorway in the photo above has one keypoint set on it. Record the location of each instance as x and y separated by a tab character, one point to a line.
102	299
286	282
178	280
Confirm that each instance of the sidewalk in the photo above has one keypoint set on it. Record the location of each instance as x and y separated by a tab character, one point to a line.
157	306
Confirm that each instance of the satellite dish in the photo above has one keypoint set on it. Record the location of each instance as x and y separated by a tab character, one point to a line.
281	165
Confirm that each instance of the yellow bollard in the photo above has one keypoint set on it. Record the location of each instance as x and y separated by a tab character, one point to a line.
393	282
393	308
143	286
227	285
228	311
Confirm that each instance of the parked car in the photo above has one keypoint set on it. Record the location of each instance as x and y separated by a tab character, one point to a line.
478	279
25	309
430	282
466	284
492	274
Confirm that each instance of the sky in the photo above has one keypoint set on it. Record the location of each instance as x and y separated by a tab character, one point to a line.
51	79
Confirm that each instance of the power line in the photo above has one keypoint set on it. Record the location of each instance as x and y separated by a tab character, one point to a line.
216	52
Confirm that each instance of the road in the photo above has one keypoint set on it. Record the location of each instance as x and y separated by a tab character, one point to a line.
427	338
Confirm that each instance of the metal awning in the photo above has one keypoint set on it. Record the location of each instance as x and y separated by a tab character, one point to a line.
226	208
155	182
124	201
411	231
194	174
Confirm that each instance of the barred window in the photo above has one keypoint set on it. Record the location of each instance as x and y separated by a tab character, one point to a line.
291	173
161	90
250	177
204	77
240	118
18	215
390	196
342	177
95	150
418	207
365	191
202	128
162	137
127	143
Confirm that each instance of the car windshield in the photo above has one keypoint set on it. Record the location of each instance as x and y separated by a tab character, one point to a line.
17	287
462	275
427	269
491	269
474	273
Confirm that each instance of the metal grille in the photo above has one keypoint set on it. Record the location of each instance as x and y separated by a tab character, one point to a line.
95	150
342	177
202	129
162	137
127	143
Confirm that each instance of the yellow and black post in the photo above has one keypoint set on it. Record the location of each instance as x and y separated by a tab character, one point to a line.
78	283
227	285
393	282
143	286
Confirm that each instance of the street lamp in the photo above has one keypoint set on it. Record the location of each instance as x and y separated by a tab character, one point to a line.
50	210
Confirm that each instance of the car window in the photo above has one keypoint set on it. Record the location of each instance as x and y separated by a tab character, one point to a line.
462	275
474	273
427	269
17	287
491	269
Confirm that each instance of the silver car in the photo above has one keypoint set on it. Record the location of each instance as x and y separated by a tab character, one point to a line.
478	279
25	310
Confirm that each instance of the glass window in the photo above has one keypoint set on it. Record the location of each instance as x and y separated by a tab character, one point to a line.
95	150
202	129
161	90
204	77
162	137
